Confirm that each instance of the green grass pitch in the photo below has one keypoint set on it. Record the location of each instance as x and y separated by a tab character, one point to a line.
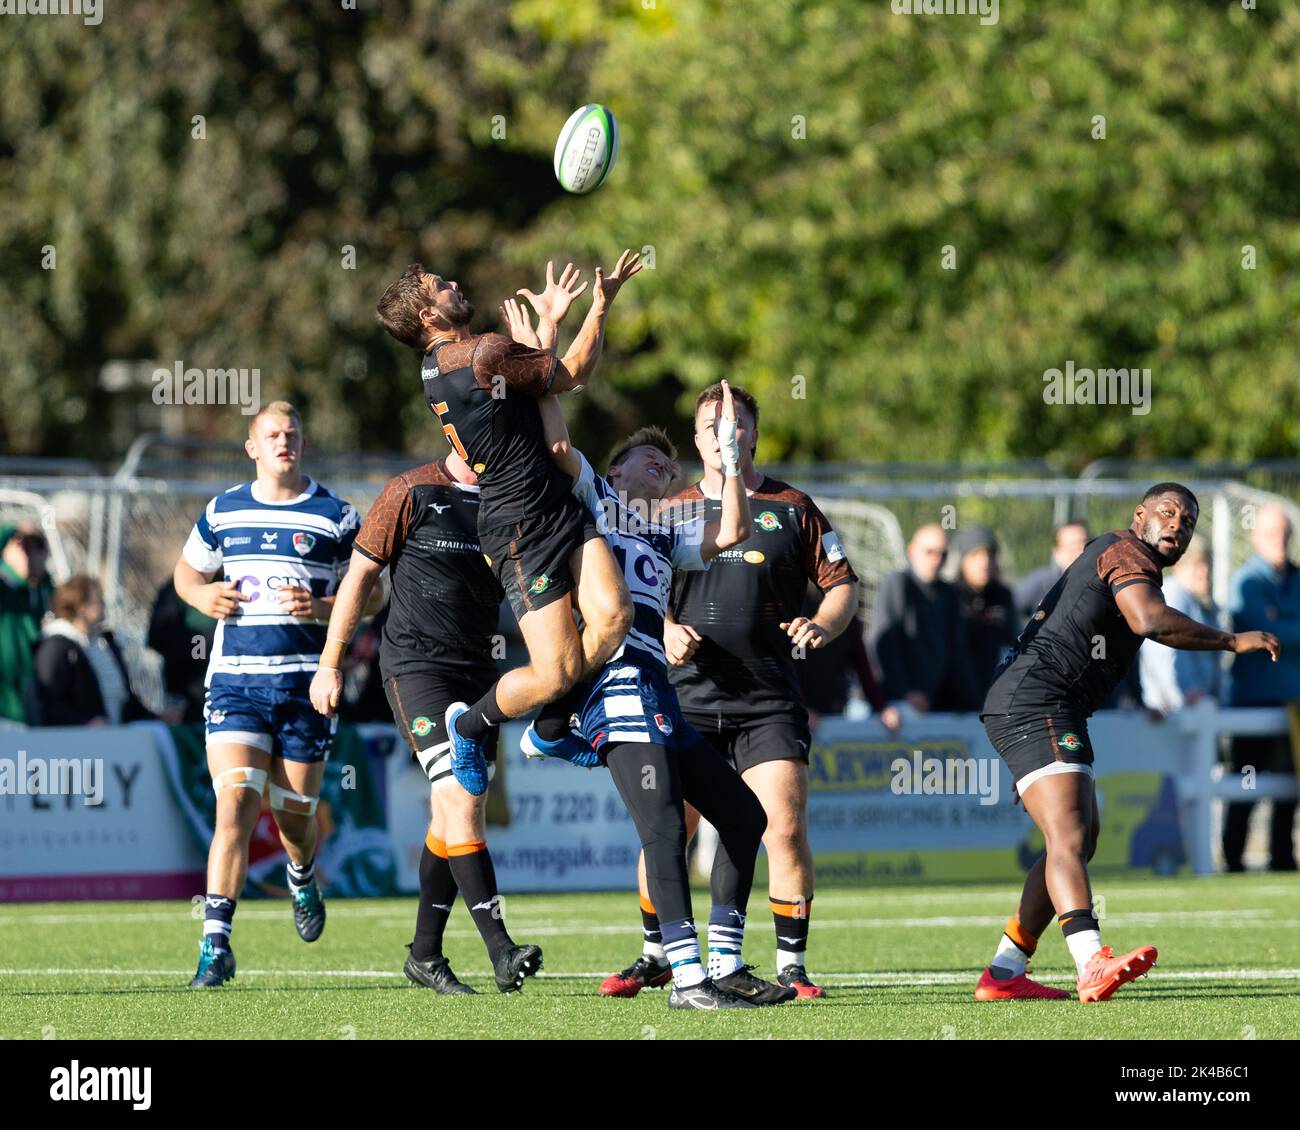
897	962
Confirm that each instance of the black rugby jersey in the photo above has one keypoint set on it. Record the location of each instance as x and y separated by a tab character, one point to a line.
485	390
744	665
1077	646
444	601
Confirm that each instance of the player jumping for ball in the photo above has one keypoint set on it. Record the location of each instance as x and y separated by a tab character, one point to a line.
437	649
540	542
1074	652
283	542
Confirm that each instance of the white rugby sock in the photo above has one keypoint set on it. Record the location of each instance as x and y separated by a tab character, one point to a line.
1009	958
1083	944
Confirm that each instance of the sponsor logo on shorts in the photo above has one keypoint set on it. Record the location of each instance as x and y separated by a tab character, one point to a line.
421	726
755	556
768	521
479	468
665	726
1071	742
540	585
216	717
302	543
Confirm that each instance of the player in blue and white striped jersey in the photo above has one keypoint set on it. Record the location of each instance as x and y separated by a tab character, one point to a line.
283	542
630	720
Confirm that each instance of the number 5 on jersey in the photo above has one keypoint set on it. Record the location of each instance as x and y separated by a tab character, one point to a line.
449	430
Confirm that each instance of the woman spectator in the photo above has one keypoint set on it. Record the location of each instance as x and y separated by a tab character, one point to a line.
81	679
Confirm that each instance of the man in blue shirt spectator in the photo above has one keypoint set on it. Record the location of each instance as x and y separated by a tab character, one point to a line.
1265	595
1172	679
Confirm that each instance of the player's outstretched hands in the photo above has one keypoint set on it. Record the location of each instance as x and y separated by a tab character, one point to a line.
1243	642
681	641
607	285
326	689
519	324
220	600
554	301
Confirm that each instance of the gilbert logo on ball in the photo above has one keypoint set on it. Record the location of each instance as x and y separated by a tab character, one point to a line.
587	149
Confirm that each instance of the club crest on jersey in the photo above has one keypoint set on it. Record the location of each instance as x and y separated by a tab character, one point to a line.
768	521
421	726
540	585
665	726
1071	742
303	543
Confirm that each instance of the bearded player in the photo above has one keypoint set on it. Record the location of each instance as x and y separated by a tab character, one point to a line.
283	542
1075	650
437	648
629	720
541	543
732	639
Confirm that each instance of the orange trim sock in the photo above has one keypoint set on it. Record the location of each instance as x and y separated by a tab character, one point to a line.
1015	948
471	864
791	918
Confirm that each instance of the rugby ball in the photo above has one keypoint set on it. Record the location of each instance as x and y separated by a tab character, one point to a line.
587	149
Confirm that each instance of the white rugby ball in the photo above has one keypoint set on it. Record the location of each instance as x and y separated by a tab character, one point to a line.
587	149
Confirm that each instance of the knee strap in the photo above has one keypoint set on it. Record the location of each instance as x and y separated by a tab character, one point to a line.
281	799
240	777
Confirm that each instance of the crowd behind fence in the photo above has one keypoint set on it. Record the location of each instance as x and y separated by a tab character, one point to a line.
127	527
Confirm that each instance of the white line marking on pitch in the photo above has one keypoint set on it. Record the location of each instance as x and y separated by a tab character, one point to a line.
882	979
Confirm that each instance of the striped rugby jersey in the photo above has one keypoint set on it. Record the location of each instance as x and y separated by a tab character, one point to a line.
265	546
647	553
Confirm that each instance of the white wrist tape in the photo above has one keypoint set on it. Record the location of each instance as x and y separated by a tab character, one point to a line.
729	446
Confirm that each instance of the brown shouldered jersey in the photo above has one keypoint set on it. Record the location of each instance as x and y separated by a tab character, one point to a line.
442	610
485	391
1077	646
744	664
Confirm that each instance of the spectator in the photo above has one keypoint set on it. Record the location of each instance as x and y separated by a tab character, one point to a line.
183	637
827	672
24	600
81	679
1265	596
985	603
1172	679
1067	544
918	641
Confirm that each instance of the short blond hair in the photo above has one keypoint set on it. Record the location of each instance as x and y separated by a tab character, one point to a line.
275	408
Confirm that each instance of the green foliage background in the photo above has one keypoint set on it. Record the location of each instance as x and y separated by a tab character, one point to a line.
797	168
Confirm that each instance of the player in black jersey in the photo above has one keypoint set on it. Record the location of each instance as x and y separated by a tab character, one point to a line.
733	647
541	544
1077	647
436	649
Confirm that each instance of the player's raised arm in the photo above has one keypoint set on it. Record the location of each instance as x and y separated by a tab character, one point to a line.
1144	609
556	432
579	363
351	603
733	525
